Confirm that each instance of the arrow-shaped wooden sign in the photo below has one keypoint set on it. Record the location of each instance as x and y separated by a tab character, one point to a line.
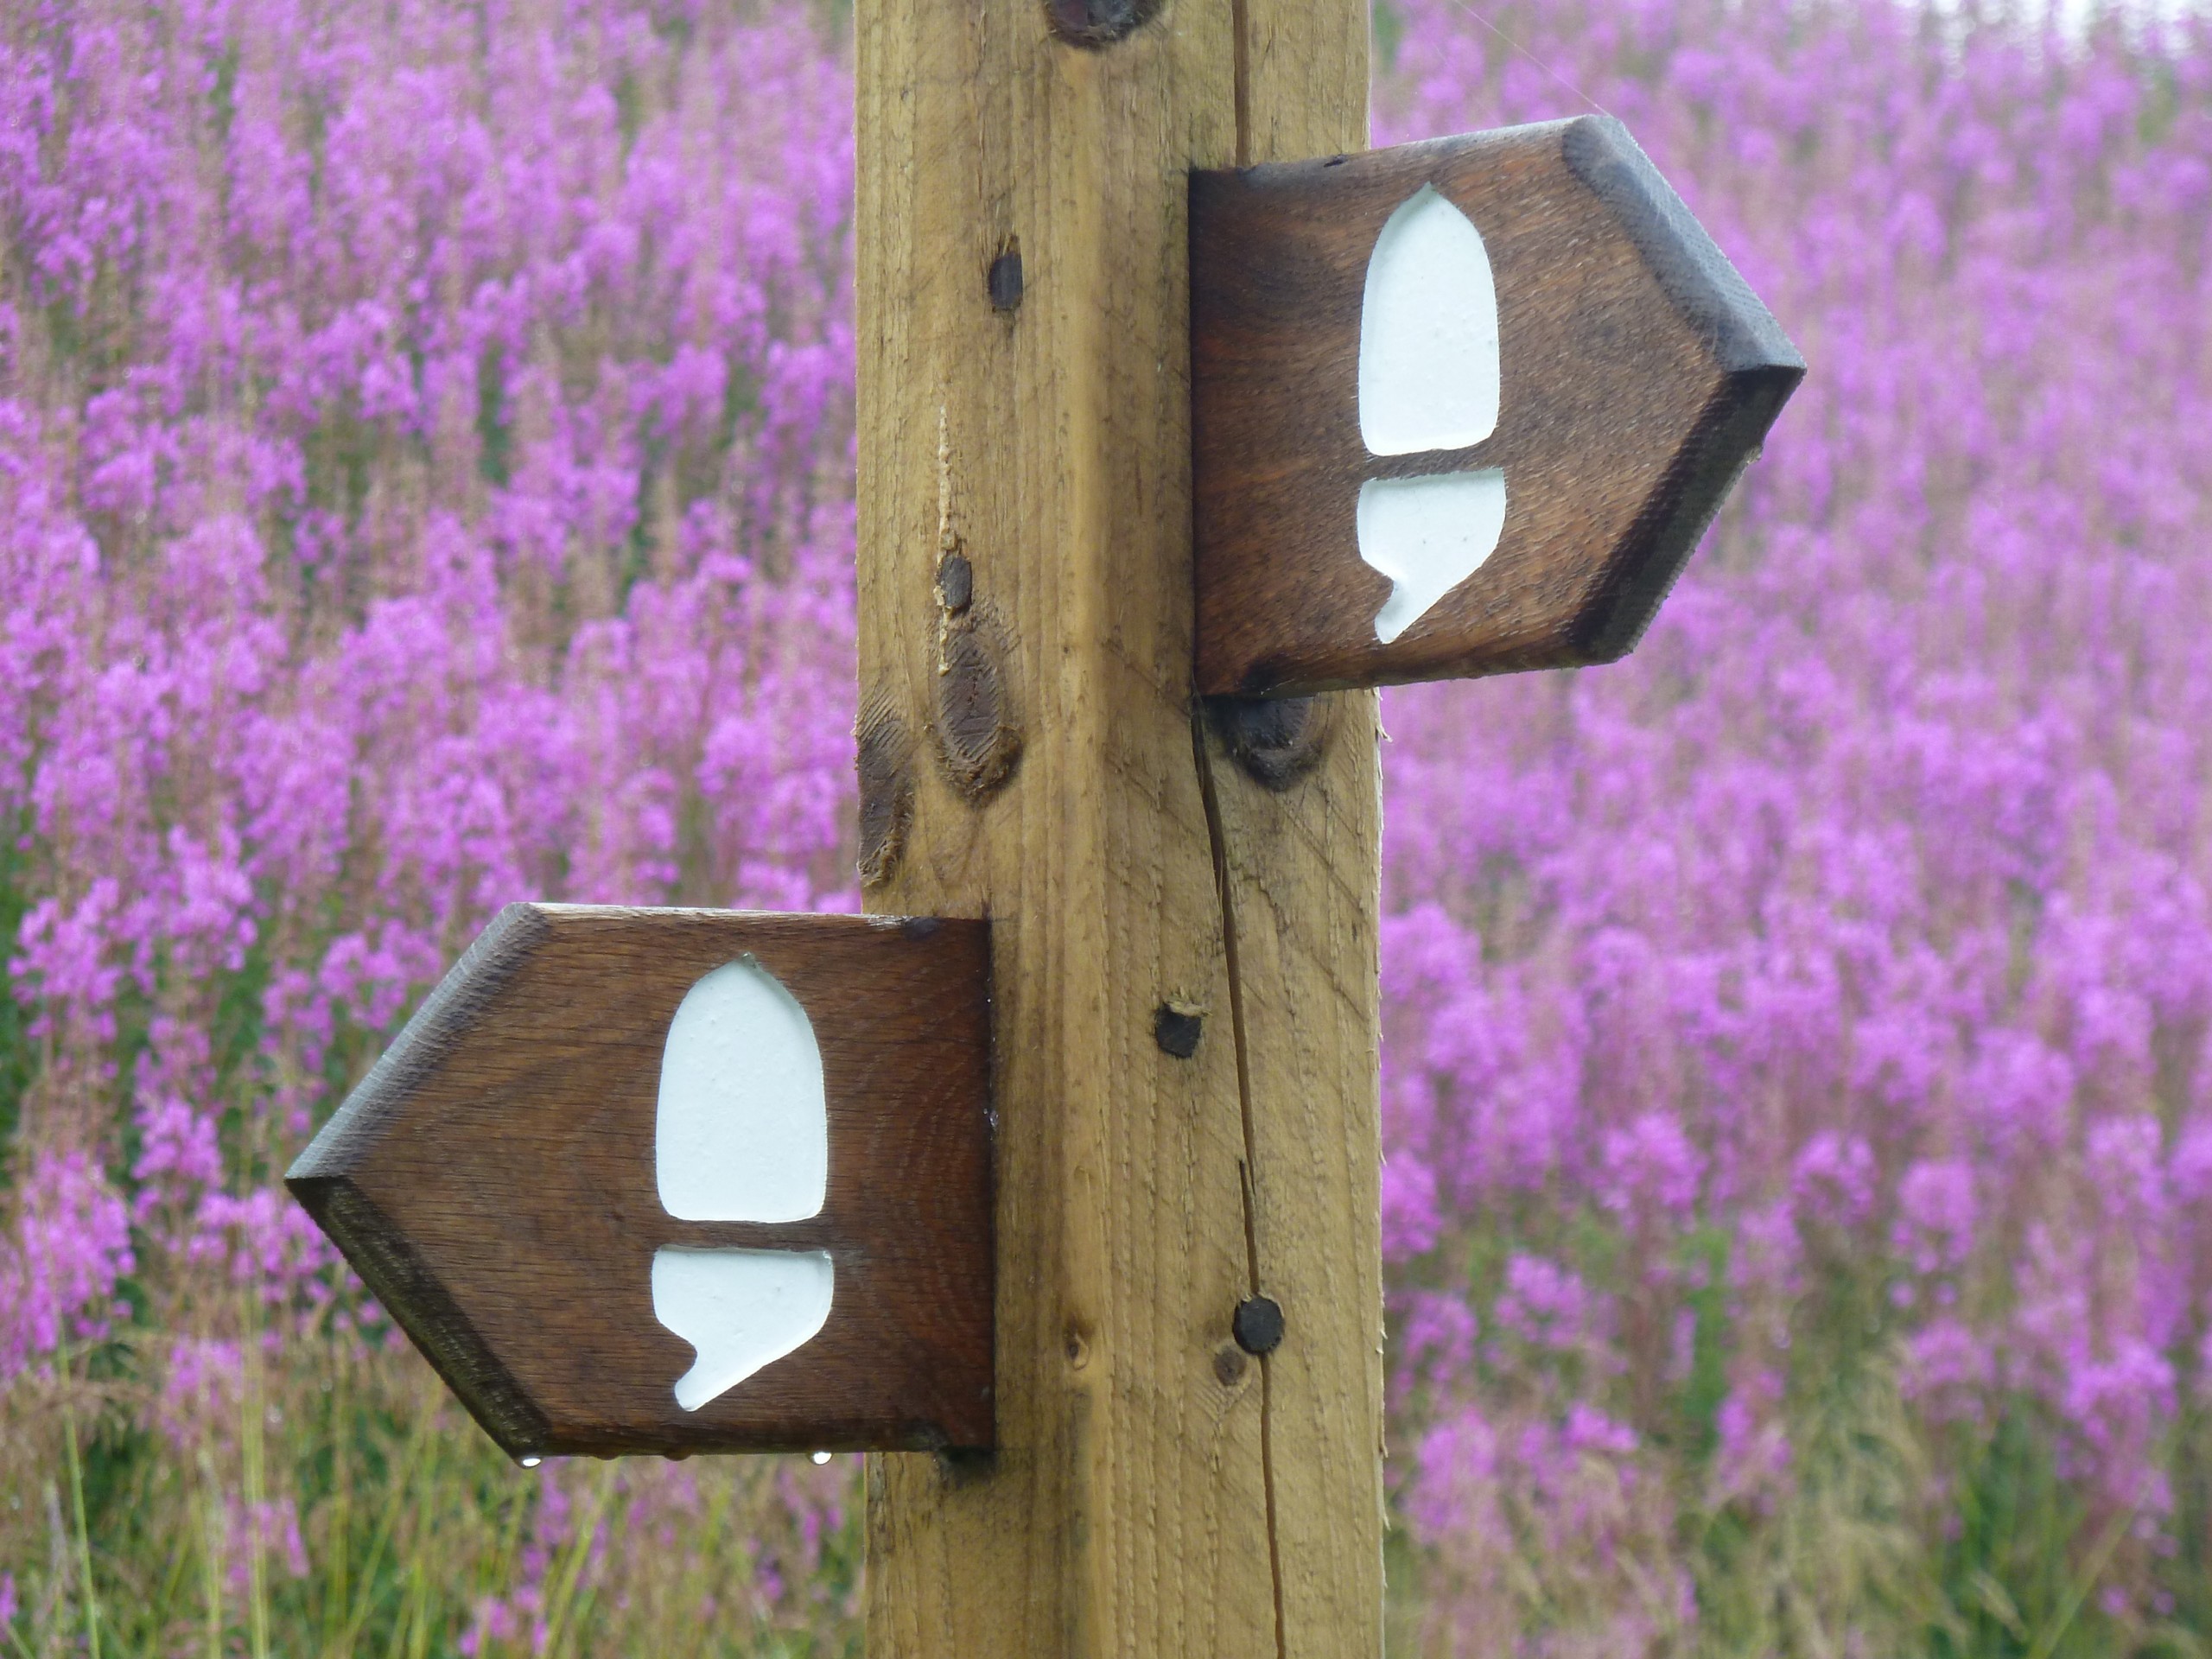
1458	407
686	1181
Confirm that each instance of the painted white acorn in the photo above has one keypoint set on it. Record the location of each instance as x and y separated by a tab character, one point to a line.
742	1133
1429	380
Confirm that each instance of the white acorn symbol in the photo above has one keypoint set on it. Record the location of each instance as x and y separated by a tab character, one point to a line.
1428	380
742	1133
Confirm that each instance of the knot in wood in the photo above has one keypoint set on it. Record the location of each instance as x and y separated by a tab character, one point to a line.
978	738
884	761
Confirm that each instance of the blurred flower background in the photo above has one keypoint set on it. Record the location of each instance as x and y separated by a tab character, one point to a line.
425	480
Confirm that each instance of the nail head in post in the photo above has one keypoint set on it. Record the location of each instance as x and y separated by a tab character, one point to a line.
1176	1026
955	582
1097	23
1005	279
1257	1325
1277	740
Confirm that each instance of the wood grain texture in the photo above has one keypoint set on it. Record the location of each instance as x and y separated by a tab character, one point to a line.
1155	1491
1640	375
493	1181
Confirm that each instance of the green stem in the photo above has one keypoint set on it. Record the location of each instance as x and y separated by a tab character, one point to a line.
15	1636
399	1487
91	1601
561	1603
2078	1591
337	1595
211	1553
252	1409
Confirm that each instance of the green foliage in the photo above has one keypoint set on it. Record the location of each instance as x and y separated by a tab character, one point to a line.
18	1054
353	1509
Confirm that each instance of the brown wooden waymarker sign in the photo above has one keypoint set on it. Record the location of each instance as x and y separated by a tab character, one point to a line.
686	1181
1459	407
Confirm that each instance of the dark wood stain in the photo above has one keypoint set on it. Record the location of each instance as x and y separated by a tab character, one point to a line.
1640	375
492	1181
978	733
884	760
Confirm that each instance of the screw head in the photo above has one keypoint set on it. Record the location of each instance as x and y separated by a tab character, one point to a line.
1257	1325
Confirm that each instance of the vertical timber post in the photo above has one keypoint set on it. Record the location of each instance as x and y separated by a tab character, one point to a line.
1031	750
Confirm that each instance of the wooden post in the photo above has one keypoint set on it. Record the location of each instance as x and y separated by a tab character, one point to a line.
1032	751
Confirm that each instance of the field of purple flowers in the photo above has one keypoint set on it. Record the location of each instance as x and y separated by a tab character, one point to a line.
425	480
1799	1116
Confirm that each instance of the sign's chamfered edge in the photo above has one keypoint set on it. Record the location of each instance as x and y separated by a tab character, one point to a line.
1760	368
1704	284
453	1006
1720	449
322	1179
422	1306
1264	176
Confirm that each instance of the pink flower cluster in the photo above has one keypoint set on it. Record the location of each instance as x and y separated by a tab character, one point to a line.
62	1261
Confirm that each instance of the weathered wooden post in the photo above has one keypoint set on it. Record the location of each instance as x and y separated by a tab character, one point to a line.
1030	753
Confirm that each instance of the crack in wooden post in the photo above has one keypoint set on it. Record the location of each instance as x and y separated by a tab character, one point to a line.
1217	842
